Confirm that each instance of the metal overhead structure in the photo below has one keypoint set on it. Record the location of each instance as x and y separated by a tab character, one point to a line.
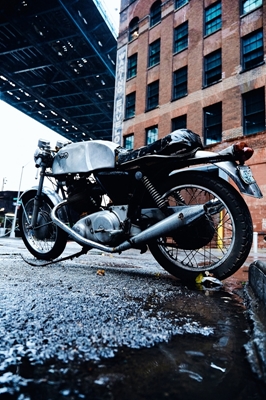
57	65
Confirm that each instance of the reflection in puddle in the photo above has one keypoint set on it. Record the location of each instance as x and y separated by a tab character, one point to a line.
202	357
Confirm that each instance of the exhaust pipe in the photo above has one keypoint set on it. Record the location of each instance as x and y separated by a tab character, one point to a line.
184	216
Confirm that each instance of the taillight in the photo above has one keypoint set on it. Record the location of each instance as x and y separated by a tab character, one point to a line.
242	152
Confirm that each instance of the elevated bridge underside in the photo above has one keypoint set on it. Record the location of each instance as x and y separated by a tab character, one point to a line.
57	65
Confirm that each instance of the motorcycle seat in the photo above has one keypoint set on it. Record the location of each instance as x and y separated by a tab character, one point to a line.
182	143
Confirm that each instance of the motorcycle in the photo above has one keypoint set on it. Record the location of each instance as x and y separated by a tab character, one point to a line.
171	197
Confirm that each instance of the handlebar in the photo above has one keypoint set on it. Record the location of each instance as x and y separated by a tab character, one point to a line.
38	162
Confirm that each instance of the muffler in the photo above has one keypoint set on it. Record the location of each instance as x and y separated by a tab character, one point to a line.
184	216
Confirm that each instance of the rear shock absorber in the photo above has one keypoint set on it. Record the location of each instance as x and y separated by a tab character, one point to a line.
159	201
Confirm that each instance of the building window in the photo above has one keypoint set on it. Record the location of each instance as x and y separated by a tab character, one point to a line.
181	37
130	105
155	15
213	18
180	3
132	66
213	124
129	141
254	111
179	122
180	83
252	50
151	134
133	32
153	95
212	68
154	53
250	5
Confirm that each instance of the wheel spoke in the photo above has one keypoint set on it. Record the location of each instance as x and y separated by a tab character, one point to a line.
44	244
217	248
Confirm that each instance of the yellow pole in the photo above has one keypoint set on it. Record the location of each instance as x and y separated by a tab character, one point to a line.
220	232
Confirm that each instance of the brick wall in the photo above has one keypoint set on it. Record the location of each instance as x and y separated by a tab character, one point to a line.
228	90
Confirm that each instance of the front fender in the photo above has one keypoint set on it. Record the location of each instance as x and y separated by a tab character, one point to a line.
50	193
52	196
225	169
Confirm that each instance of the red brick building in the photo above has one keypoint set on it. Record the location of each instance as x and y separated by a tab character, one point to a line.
195	64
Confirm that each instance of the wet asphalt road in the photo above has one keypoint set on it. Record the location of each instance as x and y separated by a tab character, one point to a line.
118	327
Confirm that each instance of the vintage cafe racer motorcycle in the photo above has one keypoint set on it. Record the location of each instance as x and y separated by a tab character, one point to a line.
171	197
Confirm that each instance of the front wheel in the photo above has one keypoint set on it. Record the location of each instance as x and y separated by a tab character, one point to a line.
218	243
46	241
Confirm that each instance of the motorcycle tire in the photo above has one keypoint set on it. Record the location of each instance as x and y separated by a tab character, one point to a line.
46	241
216	246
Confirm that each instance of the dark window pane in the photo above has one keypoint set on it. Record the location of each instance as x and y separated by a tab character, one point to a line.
129	142
254	111
180	83
181	37
130	105
151	134
249	5
213	18
180	3
213	67
252	49
154	53
155	15
179	122
213	124
132	66
133	29
153	95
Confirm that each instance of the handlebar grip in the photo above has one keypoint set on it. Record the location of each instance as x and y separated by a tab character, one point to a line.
38	162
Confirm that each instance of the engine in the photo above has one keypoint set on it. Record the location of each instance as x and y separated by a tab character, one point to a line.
108	227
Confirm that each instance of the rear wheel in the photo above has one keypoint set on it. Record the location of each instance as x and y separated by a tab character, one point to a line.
46	241
217	244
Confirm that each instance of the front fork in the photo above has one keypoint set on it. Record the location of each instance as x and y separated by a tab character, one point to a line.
37	199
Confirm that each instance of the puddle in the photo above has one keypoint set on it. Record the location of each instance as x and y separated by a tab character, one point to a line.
189	366
190	341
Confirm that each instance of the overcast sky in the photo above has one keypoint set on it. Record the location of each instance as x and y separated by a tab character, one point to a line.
20	134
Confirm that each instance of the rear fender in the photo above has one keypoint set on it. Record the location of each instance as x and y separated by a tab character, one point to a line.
225	170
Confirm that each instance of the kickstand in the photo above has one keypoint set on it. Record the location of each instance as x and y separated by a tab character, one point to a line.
80	253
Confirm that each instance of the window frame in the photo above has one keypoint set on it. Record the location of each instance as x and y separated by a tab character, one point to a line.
180	38
153	95
209	71
244	55
129	137
130	105
180	3
154	135
180	83
242	6
154	53
181	119
132	63
208	113
254	120
155	13
133	29
215	23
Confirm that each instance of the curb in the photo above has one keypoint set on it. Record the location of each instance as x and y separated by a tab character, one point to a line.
257	279
255	298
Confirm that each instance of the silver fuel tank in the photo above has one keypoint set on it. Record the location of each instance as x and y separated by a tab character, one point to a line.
83	157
